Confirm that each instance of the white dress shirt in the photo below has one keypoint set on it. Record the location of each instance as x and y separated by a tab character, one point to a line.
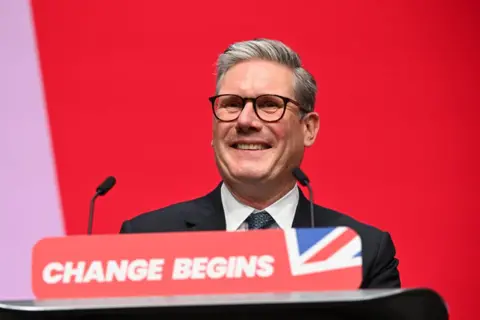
282	211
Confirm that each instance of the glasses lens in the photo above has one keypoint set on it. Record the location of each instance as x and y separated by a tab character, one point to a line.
227	107
270	108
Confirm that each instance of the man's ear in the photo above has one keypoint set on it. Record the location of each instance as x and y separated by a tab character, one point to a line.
311	125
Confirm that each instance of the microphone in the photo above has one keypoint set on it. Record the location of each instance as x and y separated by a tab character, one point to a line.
304	181
102	190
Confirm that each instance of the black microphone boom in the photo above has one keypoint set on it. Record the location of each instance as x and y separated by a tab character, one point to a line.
304	181
102	190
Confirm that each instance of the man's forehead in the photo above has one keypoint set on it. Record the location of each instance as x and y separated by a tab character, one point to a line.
258	77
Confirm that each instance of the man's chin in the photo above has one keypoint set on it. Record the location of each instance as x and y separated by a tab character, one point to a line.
245	171
247	176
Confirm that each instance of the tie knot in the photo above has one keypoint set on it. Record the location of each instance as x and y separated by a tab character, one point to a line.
259	220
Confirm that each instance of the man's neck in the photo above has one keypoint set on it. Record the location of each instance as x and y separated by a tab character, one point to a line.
259	196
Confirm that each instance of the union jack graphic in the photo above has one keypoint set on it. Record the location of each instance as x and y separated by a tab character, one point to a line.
324	249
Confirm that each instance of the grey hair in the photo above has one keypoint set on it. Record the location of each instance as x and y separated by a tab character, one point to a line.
305	87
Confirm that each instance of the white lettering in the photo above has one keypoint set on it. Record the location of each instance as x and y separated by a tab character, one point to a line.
117	271
48	272
137	269
230	266
94	273
246	267
218	267
223	267
199	268
103	271
265	266
152	270
155	269
182	268
74	271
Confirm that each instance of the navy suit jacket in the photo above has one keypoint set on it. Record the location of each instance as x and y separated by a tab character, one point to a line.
380	266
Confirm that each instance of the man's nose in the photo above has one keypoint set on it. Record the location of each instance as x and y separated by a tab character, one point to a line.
248	120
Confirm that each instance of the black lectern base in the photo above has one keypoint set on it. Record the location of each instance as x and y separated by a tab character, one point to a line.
409	304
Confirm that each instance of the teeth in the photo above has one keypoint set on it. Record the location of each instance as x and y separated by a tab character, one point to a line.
245	146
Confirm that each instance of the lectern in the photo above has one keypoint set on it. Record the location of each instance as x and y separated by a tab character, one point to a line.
411	304
267	274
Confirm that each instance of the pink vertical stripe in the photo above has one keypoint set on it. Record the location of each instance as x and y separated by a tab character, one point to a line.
29	201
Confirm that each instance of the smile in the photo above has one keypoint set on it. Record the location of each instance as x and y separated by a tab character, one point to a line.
250	146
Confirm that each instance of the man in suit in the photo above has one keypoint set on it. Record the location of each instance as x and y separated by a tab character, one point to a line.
263	119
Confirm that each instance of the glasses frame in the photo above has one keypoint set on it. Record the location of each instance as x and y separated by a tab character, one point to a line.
254	103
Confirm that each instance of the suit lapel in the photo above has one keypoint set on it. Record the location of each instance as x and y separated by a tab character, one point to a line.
207	213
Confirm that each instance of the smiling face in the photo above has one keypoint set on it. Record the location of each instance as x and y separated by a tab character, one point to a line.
249	150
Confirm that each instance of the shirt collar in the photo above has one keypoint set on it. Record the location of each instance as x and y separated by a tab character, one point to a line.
282	211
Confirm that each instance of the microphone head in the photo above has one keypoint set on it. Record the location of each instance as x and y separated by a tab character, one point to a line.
300	176
106	186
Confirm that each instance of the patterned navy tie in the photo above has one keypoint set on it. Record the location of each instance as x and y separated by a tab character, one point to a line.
259	220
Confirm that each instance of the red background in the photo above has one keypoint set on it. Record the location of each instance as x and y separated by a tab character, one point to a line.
126	84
